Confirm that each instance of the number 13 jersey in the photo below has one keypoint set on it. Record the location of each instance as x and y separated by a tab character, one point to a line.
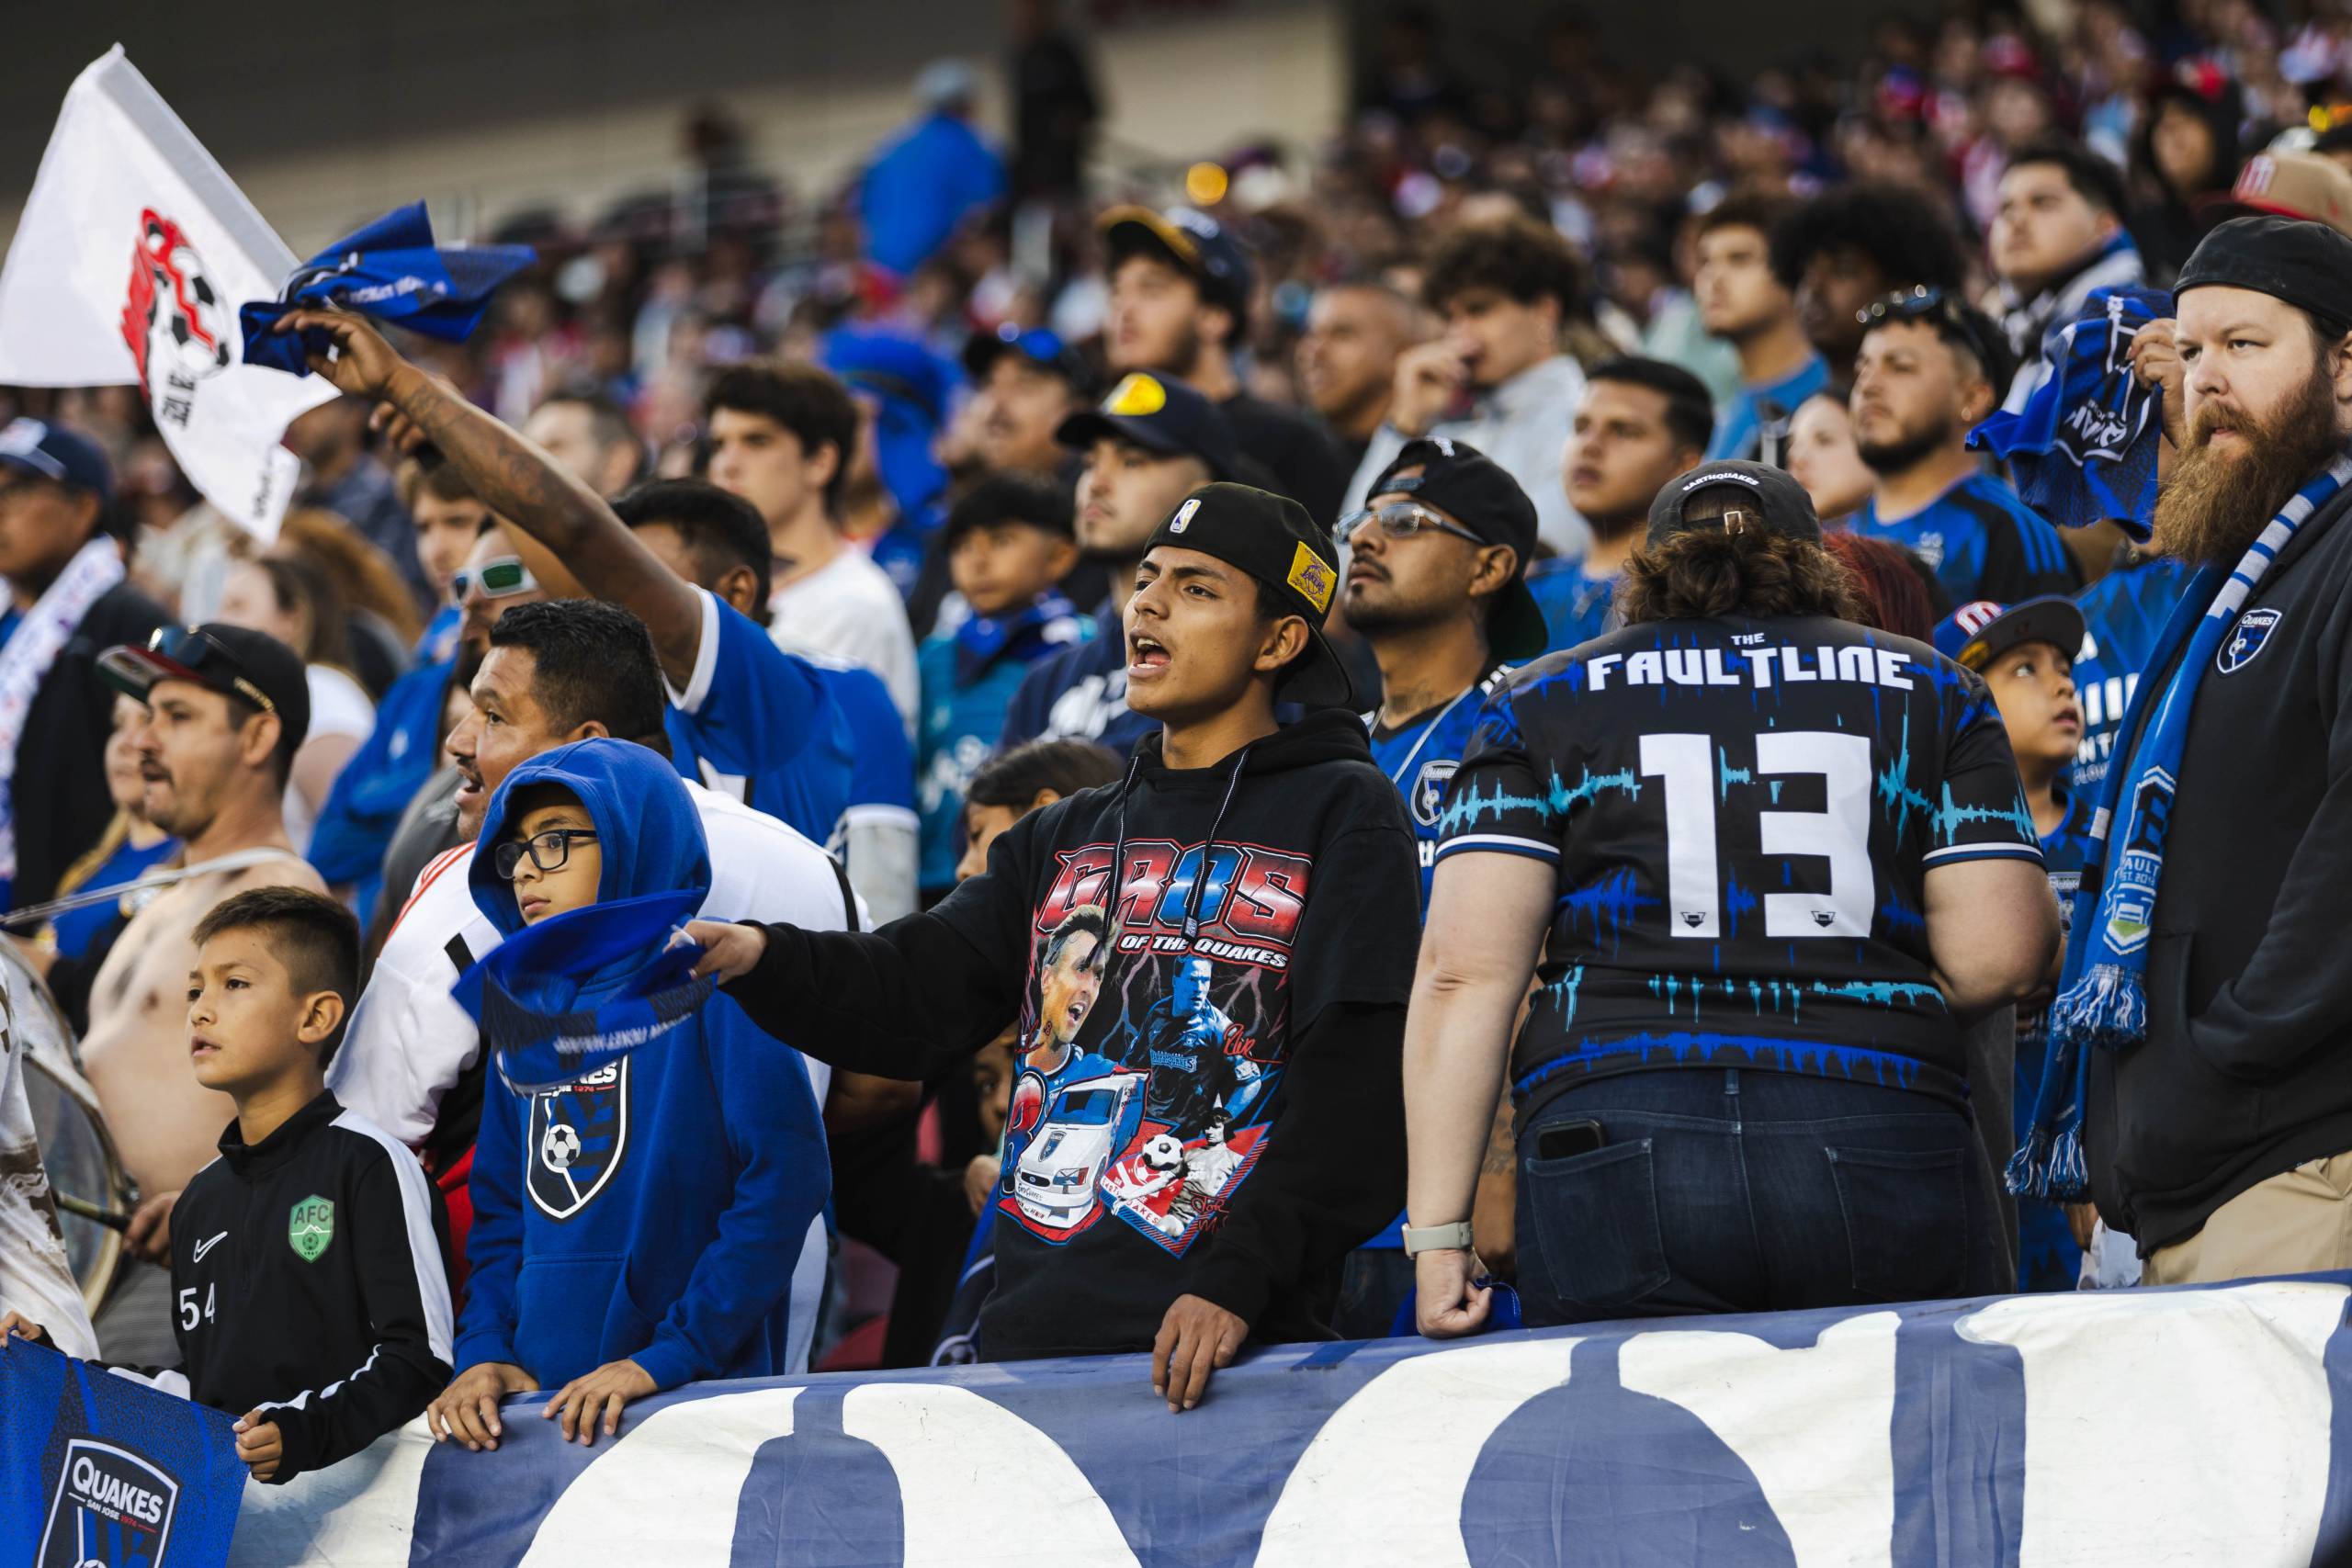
1743	814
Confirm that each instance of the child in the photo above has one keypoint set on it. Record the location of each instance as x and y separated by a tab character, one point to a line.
1257	877
1007	544
2026	655
637	1227
306	1264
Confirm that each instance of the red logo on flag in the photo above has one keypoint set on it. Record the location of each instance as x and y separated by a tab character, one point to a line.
172	308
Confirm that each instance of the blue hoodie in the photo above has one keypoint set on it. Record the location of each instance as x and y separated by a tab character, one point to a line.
652	1210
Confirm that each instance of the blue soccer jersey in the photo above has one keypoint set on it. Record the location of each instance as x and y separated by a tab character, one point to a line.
1742	814
1575	607
2123	613
1739	433
762	726
1981	542
1419	756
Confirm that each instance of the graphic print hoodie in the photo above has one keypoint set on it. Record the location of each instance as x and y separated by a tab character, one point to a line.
654	1208
1209	967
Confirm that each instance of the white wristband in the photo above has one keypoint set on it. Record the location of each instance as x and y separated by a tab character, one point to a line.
1454	1237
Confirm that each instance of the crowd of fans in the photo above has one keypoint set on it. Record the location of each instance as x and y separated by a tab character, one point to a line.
838	501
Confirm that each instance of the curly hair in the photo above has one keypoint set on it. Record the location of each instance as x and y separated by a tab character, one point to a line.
1902	231
1516	256
1705	573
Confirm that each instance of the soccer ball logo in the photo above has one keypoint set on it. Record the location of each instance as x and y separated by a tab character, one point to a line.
1162	1152
173	305
560	1148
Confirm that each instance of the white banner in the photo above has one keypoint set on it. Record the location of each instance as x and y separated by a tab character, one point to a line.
133	253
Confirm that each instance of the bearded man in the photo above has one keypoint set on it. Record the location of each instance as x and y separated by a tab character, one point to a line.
2205	993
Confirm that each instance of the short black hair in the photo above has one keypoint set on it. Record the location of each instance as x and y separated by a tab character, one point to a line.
594	663
1010	780
1689	410
2094	180
1087	920
316	939
608	422
721	530
1762	210
810	402
1517	257
1012	497
1905	234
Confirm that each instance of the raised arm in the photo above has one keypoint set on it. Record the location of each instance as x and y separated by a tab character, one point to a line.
519	480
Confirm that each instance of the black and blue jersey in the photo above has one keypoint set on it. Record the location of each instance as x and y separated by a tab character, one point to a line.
1983	542
1419	756
2122	615
1743	814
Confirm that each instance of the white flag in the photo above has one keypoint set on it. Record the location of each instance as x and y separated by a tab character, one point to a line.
128	264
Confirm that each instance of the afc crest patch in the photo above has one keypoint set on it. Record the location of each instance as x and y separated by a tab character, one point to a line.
111	1509
2245	640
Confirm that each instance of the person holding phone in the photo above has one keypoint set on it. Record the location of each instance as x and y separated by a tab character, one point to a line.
1780	860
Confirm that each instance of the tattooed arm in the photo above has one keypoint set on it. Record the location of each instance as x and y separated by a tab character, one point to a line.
518	481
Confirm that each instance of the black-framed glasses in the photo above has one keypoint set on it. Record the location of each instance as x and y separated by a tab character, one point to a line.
1401	520
549	850
497	578
1939	308
197	650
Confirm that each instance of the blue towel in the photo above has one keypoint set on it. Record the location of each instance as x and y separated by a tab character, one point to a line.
2082	444
389	270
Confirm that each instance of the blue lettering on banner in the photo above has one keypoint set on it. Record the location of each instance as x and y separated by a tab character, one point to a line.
1998	1430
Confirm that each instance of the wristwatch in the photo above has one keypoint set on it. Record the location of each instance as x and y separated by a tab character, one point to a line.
1454	1237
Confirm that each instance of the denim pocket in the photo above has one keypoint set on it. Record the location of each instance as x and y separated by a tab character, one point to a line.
1906	1220
1596	1220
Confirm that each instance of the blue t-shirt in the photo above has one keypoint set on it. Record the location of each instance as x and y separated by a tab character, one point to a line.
77	928
2123	613
1575	607
1739	430
2048	1259
762	726
1079	693
439	642
1981	542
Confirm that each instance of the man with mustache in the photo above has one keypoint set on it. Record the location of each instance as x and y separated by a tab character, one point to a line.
2205	982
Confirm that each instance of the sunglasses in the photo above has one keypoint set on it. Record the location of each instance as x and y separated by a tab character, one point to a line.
1401	520
1940	308
197	651
549	850
496	579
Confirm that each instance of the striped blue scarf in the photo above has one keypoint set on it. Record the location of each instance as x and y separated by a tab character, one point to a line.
2102	999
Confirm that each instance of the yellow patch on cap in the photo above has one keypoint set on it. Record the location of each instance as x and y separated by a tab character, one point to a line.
1312	576
1137	394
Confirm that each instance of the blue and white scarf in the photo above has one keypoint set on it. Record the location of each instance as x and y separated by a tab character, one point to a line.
2079	429
2102	999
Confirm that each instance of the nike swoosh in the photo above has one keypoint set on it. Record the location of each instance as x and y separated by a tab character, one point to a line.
206	1245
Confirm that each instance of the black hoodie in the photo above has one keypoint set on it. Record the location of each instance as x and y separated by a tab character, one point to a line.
1213	1105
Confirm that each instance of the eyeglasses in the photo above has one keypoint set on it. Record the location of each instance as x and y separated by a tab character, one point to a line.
196	650
497	579
549	850
1401	520
1942	309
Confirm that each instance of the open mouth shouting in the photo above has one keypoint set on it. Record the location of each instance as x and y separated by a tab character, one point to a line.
1147	657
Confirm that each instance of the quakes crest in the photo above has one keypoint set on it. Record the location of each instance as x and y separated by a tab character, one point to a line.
111	1509
577	1137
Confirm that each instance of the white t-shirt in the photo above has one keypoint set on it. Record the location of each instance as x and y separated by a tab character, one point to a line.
849	610
339	705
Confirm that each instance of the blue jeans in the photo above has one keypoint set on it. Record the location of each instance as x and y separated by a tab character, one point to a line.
1723	1189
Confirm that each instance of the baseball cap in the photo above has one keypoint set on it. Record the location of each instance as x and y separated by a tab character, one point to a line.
1479	493
1160	414
2287	184
232	660
1778	504
1041	346
1976	634
1273	539
2305	263
1199	244
1954	319
53	452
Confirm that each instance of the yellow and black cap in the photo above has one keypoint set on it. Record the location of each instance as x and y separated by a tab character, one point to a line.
1198	244
1160	414
1273	539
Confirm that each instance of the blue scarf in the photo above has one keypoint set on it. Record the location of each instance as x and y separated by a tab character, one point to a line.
2083	444
1028	633
576	993
2102	999
388	270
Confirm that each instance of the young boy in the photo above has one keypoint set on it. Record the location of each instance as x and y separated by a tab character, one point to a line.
637	1214
1009	543
1257	876
306	1262
2026	655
